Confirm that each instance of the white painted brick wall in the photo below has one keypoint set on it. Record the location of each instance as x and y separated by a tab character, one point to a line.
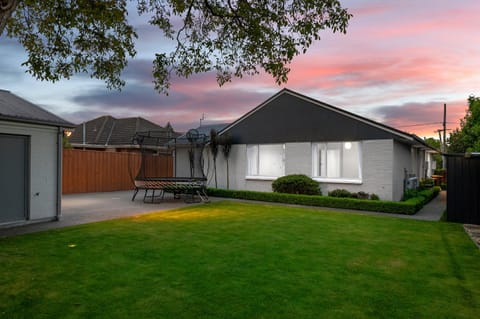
377	168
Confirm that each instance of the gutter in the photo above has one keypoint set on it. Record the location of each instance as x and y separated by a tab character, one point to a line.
59	172
35	121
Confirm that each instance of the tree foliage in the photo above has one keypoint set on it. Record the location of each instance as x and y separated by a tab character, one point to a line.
436	144
232	38
467	137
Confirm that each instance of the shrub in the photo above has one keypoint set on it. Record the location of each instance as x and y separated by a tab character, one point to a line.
363	195
296	184
343	193
426	183
374	197
409	193
427	194
340	193
439	171
408	207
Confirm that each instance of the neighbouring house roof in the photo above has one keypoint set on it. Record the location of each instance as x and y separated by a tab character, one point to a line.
108	131
289	116
203	131
206	129
14	108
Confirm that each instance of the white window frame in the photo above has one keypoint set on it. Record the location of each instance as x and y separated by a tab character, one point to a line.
340	180
259	176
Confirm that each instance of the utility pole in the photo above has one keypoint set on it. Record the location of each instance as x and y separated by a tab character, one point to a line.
440	139
202	118
444	144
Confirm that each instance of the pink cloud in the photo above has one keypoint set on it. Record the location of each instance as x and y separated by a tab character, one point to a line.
423	119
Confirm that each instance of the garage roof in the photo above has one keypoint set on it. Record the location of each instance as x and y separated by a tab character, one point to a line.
14	108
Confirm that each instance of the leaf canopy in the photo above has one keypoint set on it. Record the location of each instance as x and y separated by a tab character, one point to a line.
232	38
467	137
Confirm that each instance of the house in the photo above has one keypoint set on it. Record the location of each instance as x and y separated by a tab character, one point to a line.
30	161
107	133
291	133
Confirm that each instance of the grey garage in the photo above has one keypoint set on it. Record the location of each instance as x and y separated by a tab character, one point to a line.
30	161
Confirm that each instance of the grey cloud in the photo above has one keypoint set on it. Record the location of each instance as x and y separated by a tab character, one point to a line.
183	107
139	70
412	112
133	96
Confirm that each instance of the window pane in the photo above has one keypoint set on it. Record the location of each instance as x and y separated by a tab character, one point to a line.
271	160
333	162
337	160
252	159
320	160
350	165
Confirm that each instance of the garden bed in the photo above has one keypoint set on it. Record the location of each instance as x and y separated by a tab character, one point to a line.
408	207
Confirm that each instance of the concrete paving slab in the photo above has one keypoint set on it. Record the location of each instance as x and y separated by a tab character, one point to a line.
93	207
433	210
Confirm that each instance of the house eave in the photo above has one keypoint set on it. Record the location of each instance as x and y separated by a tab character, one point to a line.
35	121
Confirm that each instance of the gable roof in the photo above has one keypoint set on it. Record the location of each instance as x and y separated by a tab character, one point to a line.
14	108
289	116
109	131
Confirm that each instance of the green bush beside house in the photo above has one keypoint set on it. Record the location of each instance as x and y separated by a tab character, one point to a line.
408	207
296	184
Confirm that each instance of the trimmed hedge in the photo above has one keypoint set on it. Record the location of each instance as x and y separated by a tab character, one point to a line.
343	193
408	207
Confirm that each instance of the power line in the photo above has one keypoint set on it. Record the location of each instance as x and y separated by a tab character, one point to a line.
426	124
421	124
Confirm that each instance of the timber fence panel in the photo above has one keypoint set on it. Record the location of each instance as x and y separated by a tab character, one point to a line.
87	171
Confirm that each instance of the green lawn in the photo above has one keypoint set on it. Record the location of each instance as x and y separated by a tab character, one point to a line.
234	260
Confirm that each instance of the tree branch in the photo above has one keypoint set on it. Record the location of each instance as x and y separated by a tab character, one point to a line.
6	10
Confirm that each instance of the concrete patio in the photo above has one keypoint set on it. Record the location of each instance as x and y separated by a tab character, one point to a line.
94	207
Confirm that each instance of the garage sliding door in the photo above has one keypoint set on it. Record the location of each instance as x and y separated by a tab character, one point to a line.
14	163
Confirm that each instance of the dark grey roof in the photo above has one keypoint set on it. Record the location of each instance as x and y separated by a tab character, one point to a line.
14	108
109	131
292	117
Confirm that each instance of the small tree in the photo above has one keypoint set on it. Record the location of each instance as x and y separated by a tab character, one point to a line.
214	150
226	142
467	138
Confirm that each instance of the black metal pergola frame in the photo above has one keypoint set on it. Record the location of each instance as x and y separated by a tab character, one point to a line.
192	187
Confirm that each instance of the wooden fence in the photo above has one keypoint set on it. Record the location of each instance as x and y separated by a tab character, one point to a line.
98	171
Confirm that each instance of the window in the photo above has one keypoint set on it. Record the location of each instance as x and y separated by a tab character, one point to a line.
338	162
266	160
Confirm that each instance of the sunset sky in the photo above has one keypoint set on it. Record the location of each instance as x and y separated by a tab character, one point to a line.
399	62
